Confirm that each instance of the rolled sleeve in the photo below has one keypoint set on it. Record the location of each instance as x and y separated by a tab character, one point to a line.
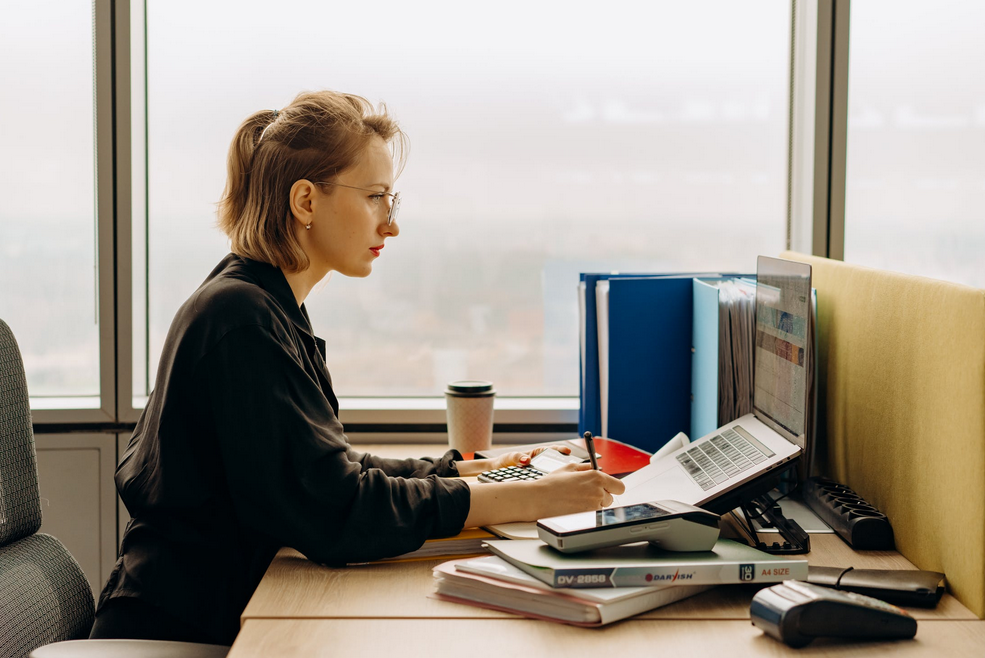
454	503
445	466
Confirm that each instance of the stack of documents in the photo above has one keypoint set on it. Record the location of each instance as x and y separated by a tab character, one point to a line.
491	582
598	587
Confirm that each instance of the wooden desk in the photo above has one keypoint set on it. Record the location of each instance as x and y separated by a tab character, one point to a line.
303	609
295	588
499	638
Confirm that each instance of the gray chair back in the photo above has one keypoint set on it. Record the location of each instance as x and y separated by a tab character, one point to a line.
44	596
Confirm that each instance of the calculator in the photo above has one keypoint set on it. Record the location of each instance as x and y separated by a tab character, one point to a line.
547	461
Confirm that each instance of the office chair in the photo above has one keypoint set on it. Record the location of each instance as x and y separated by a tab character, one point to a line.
45	598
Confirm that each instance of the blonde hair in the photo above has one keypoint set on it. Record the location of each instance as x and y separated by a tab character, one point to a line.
318	136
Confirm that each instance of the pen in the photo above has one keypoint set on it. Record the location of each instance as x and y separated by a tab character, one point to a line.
590	446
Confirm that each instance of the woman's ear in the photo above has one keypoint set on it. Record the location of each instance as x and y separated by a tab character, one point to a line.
302	193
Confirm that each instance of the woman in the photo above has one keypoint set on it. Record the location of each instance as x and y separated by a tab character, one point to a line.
239	450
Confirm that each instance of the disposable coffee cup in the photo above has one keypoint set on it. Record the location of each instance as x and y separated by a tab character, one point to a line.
470	415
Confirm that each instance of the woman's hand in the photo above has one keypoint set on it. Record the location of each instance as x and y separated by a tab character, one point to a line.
572	488
579	488
523	458
518	458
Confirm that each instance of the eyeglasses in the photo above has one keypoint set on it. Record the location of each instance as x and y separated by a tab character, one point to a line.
394	201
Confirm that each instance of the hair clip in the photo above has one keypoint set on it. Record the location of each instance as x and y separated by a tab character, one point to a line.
276	112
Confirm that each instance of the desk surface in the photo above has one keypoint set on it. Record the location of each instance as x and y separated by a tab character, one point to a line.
499	638
301	608
295	588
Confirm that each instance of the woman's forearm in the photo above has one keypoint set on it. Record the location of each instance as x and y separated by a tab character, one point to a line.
504	502
572	488
470	467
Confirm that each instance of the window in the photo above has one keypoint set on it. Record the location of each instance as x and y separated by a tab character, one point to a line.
48	277
916	134
631	135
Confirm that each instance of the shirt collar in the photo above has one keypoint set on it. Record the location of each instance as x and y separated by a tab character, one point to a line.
272	279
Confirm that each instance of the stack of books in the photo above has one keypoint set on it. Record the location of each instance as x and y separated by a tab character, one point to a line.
529	578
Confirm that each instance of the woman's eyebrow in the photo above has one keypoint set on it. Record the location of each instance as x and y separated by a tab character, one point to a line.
386	188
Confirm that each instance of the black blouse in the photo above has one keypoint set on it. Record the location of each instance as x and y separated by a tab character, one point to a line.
240	451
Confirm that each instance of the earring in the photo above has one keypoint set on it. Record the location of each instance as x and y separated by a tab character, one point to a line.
308	226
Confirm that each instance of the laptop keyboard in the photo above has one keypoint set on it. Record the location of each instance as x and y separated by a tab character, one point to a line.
721	457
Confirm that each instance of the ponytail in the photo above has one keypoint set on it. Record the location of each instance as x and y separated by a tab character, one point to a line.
238	166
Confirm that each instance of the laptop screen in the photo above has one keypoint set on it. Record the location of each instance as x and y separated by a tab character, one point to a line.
783	308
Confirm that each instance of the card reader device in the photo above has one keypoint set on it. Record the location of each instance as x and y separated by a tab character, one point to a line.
795	613
667	524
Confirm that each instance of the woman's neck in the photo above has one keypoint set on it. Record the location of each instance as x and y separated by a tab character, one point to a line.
302	282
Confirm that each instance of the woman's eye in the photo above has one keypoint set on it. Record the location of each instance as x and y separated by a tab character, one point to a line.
376	197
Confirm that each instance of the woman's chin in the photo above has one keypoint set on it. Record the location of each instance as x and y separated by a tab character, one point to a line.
360	272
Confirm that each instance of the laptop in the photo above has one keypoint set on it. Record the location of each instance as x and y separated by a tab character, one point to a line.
767	440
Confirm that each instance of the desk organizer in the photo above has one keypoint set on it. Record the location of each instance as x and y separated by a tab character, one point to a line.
856	521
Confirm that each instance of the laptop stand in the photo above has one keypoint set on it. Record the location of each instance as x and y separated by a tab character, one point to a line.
754	501
765	510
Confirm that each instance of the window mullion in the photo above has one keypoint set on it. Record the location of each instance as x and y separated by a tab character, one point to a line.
105	202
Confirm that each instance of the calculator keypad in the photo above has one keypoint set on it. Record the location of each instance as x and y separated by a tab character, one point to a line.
512	474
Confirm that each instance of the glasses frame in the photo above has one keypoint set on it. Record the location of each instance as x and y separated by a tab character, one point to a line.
394	203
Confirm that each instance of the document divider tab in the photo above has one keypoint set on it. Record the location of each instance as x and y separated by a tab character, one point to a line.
582	354
590	414
704	361
602	322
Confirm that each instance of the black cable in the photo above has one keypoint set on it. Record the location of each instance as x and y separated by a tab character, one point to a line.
794	490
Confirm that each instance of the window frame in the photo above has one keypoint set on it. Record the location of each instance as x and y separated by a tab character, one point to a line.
815	224
101	409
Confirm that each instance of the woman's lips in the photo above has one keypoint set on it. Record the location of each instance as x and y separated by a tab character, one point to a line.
376	250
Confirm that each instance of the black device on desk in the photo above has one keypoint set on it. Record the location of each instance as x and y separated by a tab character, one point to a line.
856	521
795	613
667	524
913	587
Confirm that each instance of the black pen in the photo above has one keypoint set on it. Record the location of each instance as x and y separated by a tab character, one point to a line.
590	446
